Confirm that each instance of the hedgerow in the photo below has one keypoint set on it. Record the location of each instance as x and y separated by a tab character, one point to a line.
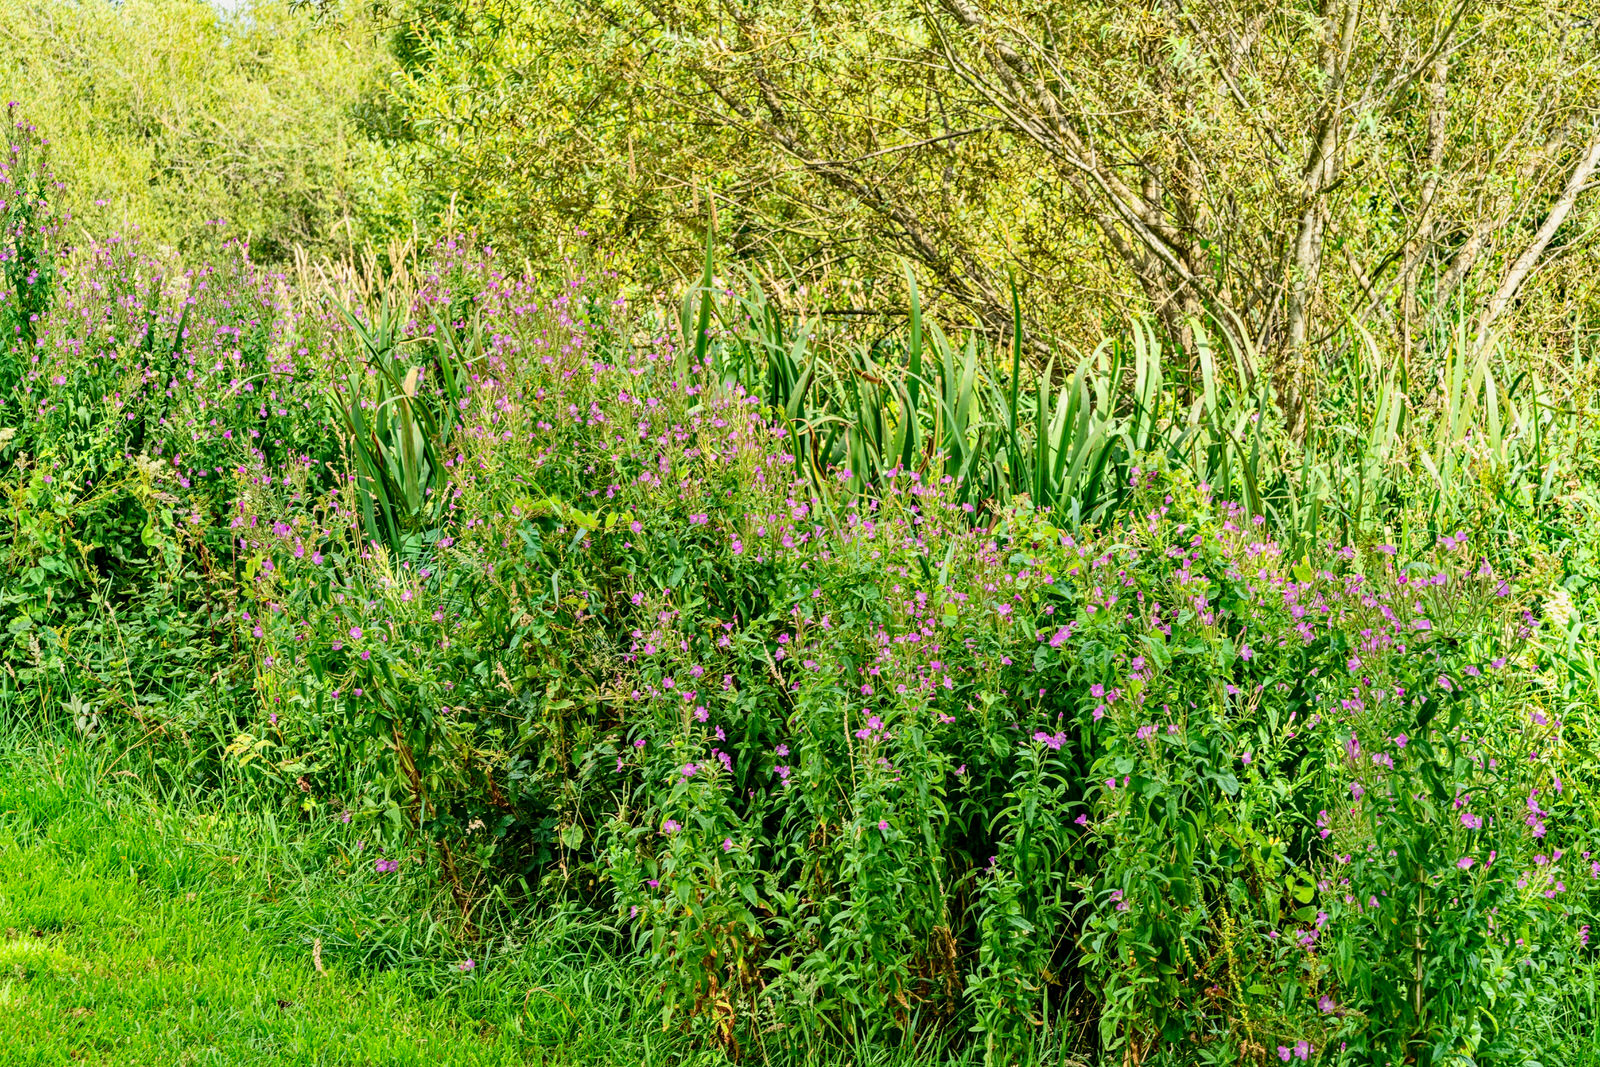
541	593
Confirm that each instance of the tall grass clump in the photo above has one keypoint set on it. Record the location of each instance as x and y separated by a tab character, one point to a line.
1393	449
871	697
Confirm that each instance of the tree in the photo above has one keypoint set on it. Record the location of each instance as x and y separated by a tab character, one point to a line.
1277	170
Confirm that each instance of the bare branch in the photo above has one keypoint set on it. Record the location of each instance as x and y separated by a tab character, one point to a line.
1525	263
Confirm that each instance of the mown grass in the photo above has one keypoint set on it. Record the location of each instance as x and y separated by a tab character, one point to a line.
137	932
143	923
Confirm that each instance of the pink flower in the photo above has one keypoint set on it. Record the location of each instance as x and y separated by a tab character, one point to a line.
1464	862
883	825
465	965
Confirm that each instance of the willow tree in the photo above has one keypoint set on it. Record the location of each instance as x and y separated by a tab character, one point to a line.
1277	170
171	117
1280	167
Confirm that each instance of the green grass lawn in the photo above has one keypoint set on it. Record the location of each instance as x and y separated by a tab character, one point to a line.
136	931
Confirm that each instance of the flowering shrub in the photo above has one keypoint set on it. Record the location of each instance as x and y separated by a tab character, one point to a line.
28	233
860	764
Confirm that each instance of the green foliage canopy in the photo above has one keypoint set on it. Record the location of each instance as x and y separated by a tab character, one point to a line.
172	116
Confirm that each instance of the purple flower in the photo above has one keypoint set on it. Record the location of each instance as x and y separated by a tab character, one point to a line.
1465	862
466	965
883	825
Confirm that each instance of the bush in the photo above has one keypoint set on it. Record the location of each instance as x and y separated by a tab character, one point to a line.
515	579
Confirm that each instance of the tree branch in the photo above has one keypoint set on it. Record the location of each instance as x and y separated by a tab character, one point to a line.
1525	263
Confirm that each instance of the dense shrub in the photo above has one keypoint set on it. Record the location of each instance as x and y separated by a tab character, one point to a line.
524	584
